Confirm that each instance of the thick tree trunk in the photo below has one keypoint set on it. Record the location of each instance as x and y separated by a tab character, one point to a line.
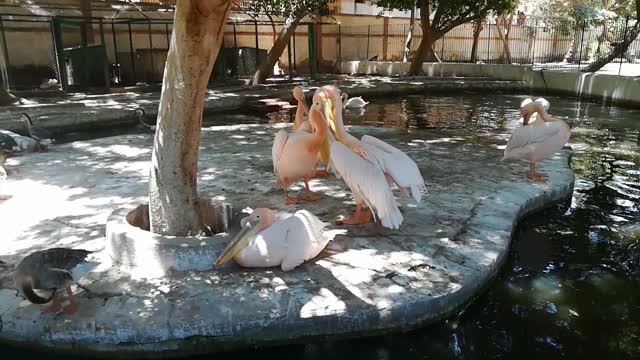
407	43
477	29
263	72
617	50
195	42
425	49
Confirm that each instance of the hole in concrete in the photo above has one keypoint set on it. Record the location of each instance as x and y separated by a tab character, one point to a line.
215	217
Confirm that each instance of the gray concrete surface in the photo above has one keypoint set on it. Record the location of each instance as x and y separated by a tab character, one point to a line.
373	280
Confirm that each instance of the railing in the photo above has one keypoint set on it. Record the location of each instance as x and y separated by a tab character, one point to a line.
549	44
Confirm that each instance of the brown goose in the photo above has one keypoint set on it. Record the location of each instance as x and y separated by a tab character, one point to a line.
53	269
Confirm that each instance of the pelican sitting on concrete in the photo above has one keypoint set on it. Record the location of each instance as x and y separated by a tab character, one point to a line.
536	141
268	239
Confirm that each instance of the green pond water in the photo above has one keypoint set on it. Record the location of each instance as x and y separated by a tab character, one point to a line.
570	288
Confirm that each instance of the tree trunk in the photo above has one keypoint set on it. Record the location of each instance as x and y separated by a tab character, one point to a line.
6	98
617	50
263	72
407	43
504	35
573	47
425	49
195	42
477	29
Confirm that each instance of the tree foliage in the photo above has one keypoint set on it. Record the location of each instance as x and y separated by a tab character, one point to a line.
293	8
437	17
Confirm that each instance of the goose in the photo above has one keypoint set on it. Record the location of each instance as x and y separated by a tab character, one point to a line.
52	270
42	136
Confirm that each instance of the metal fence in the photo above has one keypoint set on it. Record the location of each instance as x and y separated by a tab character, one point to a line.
549	44
87	53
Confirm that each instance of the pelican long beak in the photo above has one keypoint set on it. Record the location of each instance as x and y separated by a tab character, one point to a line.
332	119
240	241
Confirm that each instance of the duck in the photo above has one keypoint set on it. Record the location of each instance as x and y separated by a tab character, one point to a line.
353	103
7	142
301	123
3	175
140	115
295	156
42	136
369	167
538	140
52	270
268	239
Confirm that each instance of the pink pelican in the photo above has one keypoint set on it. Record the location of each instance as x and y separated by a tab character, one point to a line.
539	140
268	239
369	166
301	124
295	156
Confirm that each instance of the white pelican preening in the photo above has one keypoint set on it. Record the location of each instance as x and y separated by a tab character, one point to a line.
267	239
369	166
301	123
354	102
536	141
295	156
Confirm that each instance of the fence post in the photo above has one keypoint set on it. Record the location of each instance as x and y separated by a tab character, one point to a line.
166	33
488	39
385	38
584	23
442	49
107	81
368	36
6	55
340	47
133	58
289	59
312	50
626	26
255	23
56	30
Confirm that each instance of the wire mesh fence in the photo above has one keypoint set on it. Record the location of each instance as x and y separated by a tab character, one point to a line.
553	44
110	52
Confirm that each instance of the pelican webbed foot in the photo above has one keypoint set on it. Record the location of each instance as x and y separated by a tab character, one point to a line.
73	306
359	217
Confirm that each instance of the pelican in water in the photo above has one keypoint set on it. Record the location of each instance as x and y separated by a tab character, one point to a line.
354	102
369	166
295	156
51	270
268	239
536	141
301	123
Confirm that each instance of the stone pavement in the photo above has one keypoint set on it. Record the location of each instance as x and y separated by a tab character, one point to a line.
448	249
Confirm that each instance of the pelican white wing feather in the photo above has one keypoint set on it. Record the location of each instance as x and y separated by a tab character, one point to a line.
367	182
397	164
278	147
288	242
524	139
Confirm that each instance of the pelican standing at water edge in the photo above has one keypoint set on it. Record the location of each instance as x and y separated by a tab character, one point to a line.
268	239
369	166
302	124
536	141
295	156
